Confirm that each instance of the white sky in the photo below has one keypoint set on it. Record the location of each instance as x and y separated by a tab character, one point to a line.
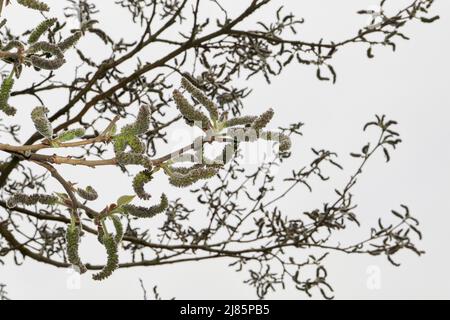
410	86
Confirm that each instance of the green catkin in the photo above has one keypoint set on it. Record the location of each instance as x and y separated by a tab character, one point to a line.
71	134
40	30
119	229
143	212
139	182
142	123
262	121
202	98
30	200
136	144
130	158
100	234
240	121
88	194
69	42
41	122
34	4
5	92
189	112
120	143
184	177
73	240
112	262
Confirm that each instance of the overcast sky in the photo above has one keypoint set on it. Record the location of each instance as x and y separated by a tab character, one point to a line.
410	86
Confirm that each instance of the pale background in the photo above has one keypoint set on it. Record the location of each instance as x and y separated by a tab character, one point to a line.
410	86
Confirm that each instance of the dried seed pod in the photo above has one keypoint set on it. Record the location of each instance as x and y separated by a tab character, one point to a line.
262	121
112	262
73	240
143	212
69	42
189	112
119	229
139	182
240	121
88	194
34	4
184	177
5	92
41	122
30	200
71	134
130	158
41	29
202	98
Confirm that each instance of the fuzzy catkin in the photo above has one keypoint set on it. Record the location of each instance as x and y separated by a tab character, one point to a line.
70	41
240	121
41	29
73	239
112	262
71	134
184	177
5	92
130	158
142	122
143	212
120	143
188	110
41	122
34	4
139	182
263	120
136	145
202	98
119	229
88	194
47	64
43	63
30	200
